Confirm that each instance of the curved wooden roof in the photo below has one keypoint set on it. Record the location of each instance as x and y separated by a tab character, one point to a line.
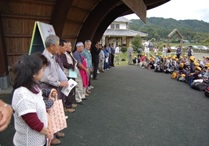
74	20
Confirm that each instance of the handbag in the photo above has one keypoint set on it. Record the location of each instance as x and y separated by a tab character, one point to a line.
57	116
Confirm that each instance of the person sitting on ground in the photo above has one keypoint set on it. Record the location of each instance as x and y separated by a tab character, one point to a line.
151	63
135	60
143	61
197	74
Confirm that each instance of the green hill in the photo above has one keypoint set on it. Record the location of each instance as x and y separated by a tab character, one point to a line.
159	28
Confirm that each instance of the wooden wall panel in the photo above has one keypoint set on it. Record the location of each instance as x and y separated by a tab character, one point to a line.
29	8
17	45
71	29
18	22
77	14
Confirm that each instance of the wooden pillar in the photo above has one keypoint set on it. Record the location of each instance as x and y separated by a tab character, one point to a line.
4	77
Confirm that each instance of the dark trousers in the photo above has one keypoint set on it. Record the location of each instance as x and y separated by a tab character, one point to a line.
95	65
89	78
112	60
70	99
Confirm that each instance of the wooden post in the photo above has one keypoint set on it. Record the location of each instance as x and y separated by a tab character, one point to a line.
4	74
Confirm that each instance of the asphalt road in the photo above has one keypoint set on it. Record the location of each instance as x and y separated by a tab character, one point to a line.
130	106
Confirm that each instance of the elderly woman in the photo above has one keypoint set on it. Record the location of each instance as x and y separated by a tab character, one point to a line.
30	117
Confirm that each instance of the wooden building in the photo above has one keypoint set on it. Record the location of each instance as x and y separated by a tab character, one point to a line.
119	33
74	20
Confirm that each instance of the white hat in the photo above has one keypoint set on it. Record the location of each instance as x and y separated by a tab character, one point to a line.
79	44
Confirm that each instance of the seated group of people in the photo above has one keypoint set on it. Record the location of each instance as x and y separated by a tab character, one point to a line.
183	68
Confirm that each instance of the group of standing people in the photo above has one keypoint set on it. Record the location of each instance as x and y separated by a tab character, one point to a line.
39	79
107	57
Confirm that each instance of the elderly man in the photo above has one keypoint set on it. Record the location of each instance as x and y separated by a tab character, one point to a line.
80	91
87	54
53	75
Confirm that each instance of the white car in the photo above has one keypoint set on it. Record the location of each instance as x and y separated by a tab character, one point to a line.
205	48
173	48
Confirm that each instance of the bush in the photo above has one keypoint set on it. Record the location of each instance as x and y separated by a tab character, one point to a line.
123	49
136	42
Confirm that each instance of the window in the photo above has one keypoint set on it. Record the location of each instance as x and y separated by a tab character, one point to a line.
112	26
117	26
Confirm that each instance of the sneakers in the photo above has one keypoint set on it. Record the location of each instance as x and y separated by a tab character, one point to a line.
91	87
88	91
80	103
60	134
74	105
55	141
69	110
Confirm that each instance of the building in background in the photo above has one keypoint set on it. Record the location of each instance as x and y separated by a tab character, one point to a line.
118	33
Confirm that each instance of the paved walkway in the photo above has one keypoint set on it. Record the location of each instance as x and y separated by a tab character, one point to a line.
131	106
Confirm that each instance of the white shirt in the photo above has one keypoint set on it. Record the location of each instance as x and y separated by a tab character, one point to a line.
117	50
24	102
101	55
164	49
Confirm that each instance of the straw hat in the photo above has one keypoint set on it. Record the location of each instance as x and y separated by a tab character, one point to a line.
198	68
183	75
192	58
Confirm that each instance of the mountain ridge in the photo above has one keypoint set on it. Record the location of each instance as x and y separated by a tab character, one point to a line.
158	27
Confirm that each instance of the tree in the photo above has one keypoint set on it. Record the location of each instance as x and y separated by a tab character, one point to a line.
123	49
136	42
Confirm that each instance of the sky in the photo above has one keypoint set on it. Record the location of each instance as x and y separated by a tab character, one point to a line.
180	10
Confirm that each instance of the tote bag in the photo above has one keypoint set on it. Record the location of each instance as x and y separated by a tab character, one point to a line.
57	116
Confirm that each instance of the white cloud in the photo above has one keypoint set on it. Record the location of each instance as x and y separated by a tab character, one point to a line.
180	10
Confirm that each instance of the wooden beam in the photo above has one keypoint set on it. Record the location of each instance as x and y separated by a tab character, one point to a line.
139	7
81	9
25	17
110	17
70	36
73	21
59	15
45	2
16	54
17	36
95	17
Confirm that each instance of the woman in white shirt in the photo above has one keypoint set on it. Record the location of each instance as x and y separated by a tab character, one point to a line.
30	117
